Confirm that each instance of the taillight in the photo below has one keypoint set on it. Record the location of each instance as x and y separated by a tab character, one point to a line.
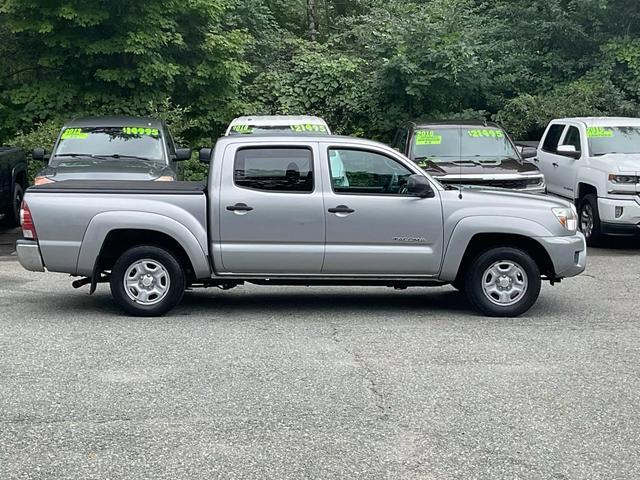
42	180
26	220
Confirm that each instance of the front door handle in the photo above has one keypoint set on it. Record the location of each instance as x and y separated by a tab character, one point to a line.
555	164
341	209
239	207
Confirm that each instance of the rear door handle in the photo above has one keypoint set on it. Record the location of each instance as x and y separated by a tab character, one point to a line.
239	207
341	209
555	164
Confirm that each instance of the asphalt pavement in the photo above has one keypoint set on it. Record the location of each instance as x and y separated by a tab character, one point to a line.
322	383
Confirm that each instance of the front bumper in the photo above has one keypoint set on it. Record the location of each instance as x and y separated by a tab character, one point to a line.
29	255
627	223
568	254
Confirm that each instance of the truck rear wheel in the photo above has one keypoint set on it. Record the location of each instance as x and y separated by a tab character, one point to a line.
503	282
12	218
147	281
590	220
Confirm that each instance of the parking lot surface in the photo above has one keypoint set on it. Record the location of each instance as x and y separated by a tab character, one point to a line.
322	383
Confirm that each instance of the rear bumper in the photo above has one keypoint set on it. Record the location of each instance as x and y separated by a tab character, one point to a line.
29	255
568	254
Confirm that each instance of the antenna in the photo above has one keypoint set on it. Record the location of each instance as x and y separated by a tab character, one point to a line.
460	163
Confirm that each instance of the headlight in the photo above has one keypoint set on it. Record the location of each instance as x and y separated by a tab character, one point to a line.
567	217
537	181
624	179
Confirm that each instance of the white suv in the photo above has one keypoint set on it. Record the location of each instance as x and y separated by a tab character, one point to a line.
278	124
596	163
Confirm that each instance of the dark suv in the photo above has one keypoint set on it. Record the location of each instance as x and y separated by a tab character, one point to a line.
112	148
469	153
13	183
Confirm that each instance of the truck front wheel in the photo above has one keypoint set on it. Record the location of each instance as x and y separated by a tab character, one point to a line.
590	220
503	282
147	281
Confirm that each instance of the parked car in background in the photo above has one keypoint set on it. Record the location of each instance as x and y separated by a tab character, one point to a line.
276	212
13	183
112	148
469	153
595	162
278	124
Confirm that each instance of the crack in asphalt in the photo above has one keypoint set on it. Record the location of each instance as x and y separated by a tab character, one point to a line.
367	374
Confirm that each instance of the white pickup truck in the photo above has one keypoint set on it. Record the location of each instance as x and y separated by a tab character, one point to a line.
595	162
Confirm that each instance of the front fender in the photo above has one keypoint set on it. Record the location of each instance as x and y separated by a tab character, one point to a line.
468	227
104	223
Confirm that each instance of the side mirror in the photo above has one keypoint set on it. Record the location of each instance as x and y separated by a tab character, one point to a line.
419	186
528	152
183	154
205	155
39	154
569	151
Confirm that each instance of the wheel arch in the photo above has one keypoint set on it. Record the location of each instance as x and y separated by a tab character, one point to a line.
114	232
482	242
474	233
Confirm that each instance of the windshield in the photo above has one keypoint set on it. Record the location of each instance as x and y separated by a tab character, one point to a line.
605	140
275	129
447	144
109	142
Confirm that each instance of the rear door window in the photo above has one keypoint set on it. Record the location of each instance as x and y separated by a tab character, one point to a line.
553	138
274	169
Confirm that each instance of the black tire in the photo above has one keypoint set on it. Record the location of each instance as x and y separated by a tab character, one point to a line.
476	273
458	284
174	271
589	206
12	218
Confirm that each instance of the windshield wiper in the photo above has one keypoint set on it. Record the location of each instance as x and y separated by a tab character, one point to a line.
119	156
115	156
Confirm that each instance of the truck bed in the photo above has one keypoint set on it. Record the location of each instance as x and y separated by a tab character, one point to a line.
74	217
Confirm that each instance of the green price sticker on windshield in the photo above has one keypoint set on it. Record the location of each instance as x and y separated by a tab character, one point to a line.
152	132
428	137
243	129
485	133
74	134
599	132
308	128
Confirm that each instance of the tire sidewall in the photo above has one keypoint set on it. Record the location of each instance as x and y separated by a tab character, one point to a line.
474	279
13	213
168	261
596	237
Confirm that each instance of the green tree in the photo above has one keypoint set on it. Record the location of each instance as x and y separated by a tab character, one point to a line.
117	56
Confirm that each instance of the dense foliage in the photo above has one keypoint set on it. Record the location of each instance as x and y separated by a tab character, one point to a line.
364	65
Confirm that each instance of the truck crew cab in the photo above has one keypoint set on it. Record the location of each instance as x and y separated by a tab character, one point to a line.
595	162
301	210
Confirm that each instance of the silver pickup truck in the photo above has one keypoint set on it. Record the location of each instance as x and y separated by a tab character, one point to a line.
301	210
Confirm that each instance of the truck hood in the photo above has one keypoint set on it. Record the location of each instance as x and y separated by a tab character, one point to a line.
619	163
498	197
474	166
107	170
